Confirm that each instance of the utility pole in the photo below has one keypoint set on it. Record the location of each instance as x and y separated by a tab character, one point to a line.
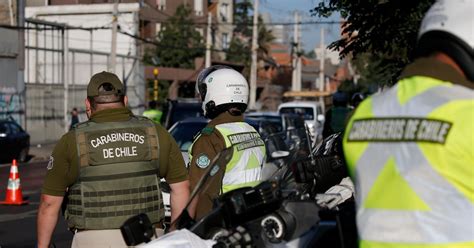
296	73
321	66
253	68
208	40
20	8
113	51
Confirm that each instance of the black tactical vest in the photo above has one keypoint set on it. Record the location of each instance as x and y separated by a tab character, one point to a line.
118	174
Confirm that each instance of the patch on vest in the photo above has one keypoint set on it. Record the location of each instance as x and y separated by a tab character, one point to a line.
399	130
203	161
214	171
50	163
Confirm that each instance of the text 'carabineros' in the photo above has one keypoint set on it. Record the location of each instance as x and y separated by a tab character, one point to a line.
116	137
399	130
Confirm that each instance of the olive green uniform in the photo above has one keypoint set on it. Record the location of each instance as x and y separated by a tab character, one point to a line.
209	144
63	171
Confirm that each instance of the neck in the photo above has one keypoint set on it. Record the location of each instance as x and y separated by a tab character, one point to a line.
442	57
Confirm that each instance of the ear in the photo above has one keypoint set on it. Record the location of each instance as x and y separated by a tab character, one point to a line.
88	107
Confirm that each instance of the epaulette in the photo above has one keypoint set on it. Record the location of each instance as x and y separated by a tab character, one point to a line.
207	130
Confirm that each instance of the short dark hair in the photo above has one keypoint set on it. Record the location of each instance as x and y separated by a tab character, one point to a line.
105	96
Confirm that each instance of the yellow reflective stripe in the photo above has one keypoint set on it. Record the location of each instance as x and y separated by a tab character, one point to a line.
227	188
236	157
374	244
389	188
449	160
253	162
225	133
354	150
413	86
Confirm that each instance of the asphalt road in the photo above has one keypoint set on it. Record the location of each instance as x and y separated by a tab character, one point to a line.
18	223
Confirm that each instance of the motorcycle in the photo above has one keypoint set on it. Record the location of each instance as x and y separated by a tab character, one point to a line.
279	212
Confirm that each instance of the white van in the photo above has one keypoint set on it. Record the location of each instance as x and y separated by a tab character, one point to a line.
311	111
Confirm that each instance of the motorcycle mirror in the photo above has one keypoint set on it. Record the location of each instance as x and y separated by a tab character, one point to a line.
321	118
280	154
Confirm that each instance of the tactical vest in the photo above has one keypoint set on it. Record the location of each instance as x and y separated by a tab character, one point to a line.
118	174
410	151
245	167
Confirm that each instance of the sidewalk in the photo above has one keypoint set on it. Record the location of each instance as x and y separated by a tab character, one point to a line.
41	152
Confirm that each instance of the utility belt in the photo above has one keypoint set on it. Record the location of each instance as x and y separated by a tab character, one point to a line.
159	225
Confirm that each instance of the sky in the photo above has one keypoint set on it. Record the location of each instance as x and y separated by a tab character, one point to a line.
283	11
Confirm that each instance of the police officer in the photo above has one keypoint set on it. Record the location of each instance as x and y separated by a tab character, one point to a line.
109	167
410	149
224	95
153	113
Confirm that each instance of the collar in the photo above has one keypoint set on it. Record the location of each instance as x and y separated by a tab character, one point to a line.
433	68
111	115
225	117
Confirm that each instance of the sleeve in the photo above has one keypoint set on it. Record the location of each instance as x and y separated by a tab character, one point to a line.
59	174
172	166
203	152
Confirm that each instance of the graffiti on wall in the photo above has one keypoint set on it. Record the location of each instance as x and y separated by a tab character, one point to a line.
10	104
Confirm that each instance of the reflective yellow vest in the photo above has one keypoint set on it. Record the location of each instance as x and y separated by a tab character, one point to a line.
153	114
245	167
411	153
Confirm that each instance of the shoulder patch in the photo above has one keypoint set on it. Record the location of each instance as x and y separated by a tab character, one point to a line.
203	161
207	130
50	163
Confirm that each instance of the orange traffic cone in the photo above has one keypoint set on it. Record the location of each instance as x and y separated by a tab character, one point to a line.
14	196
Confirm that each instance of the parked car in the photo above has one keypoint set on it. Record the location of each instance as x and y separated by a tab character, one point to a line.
311	111
181	109
184	131
14	141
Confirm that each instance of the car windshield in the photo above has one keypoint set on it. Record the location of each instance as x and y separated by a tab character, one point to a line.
184	132
306	112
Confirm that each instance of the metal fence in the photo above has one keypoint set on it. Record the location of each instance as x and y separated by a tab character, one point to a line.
56	77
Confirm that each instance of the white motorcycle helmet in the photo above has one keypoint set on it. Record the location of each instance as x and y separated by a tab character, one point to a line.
448	27
222	88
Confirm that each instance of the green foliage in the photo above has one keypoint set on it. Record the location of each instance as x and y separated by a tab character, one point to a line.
240	46
179	42
238	52
242	17
385	31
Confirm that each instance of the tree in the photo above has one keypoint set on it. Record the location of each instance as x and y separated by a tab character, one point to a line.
385	31
178	41
242	17
240	45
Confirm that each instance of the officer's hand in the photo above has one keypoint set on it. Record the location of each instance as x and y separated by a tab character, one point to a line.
336	194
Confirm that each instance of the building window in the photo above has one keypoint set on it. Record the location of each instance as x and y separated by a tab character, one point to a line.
198	7
224	12
161	4
225	40
157	28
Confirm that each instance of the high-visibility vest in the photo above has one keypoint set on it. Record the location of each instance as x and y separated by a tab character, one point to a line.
153	114
411	153
245	167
